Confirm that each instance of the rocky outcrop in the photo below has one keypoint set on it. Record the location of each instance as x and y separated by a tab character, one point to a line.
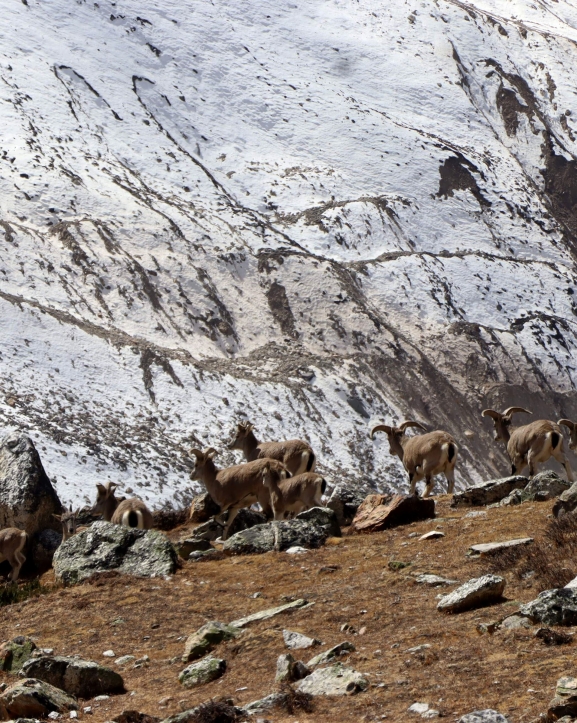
329	655
205	671
296	641
14	653
206	638
565	701
553	607
32	698
289	670
202	508
567	501
473	594
545	486
104	547
27	498
345	501
334	680
81	678
308	529
268	613
489	492
379	512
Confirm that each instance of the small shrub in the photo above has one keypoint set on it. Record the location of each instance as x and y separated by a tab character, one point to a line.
297	700
215	711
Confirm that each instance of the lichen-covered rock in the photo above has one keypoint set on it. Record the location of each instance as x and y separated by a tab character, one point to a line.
82	678
345	501
484	716
567	501
207	638
104	546
27	498
14	653
335	680
32	698
245	519
308	529
489	492
545	486
513	498
331	654
474	593
204	671
553	607
191	544
210	531
202	508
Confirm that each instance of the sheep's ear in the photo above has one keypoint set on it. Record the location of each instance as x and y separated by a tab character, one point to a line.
58	517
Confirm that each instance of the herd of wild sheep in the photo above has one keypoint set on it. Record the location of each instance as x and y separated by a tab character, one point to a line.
280	475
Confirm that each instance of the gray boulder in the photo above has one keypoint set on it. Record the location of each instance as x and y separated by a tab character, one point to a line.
489	492
104	547
206	638
210	531
275	700
331	654
545	486
191	544
245	519
335	680
567	501
27	499
514	498
473	594
32	698
565	701
308	529
288	670
81	678
204	671
553	607
345	501
296	641
483	716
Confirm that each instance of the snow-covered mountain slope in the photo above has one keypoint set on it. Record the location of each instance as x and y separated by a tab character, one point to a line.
314	215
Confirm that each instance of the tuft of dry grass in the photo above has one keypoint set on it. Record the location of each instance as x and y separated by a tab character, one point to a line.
296	701
549	560
215	711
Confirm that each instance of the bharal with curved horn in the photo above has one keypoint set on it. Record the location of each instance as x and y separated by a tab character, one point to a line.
423	456
530	444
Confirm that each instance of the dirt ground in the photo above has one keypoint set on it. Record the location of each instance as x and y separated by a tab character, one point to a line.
349	582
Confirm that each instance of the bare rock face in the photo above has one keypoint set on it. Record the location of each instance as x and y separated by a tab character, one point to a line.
475	593
379	512
27	498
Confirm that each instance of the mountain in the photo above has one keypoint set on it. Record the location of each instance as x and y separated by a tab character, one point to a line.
313	215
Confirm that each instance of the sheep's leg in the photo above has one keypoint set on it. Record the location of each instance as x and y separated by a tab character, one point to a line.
430	483
16	561
413	481
232	513
531	461
561	457
450	475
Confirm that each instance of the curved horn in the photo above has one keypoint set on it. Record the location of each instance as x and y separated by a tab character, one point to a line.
491	413
197	453
210	452
567	423
380	428
411	423
513	410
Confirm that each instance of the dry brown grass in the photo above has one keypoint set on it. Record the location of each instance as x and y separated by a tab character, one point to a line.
350	582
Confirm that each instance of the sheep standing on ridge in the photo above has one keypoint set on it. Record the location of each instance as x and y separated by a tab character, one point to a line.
530	444
423	456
